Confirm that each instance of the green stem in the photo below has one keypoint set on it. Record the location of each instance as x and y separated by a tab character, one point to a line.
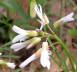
50	29
54	59
6	44
67	51
57	54
65	48
62	64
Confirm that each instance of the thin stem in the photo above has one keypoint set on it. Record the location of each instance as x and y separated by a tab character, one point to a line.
67	51
57	54
65	48
50	29
54	59
63	66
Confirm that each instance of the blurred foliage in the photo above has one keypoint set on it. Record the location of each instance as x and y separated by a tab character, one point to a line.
72	32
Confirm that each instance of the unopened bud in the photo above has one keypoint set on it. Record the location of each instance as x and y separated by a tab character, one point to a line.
10	65
34	41
29	46
32	33
32	10
2	62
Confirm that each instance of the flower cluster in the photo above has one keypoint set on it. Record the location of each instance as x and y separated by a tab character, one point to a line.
19	41
29	38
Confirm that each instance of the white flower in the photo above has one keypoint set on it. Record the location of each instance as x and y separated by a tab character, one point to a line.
44	59
42	16
27	61
28	44
11	65
22	34
0	54
30	59
67	18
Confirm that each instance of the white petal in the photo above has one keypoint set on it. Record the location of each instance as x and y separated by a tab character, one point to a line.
42	25
68	18
40	8
44	59
19	38
27	61
11	65
0	54
19	30
48	64
70	15
39	13
19	46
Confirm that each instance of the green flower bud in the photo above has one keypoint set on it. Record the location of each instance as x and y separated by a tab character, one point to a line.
32	10
34	41
3	62
32	33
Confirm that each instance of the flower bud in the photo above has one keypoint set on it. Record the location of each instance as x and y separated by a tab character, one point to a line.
32	33
34	41
3	62
10	65
32	10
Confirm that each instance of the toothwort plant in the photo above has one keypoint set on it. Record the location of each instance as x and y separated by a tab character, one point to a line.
30	38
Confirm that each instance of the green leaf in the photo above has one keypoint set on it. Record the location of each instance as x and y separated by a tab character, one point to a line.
9	56
18	9
6	5
5	49
42	2
20	23
6	44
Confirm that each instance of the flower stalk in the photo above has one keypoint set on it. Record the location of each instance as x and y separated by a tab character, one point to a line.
65	48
